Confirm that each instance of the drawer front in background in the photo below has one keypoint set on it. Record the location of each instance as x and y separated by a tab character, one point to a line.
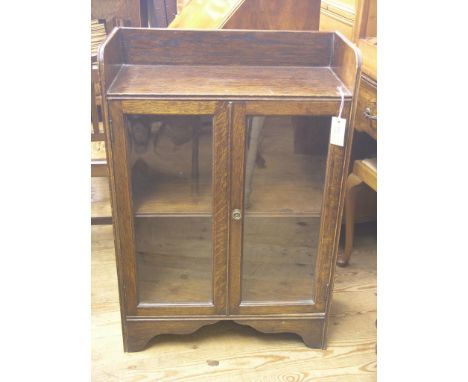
366	112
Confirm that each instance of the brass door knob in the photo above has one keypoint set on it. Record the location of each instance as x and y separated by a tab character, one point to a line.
237	214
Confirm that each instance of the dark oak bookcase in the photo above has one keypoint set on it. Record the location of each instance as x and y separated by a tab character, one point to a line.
224	206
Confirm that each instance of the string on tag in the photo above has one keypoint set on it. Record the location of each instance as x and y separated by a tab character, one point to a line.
342	100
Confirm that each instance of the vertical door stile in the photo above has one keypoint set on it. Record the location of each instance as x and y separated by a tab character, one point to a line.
220	205
237	197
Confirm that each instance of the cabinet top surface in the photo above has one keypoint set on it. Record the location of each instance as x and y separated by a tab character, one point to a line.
225	82
228	64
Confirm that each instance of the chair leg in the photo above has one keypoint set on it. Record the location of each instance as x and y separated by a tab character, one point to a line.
352	184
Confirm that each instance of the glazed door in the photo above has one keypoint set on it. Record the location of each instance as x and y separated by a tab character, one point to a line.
170	169
286	181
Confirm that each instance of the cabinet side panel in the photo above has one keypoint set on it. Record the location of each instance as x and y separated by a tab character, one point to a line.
329	222
346	61
122	209
110	59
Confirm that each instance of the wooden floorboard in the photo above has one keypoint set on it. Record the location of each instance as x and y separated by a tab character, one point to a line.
230	352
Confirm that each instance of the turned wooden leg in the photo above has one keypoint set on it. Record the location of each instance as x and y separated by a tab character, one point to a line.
350	206
254	141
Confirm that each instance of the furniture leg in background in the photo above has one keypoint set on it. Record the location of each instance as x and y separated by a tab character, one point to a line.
364	171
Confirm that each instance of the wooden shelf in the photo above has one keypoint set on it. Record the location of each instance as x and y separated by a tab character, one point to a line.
173	198
281	198
225	81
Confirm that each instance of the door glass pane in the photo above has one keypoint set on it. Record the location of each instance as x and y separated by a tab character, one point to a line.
171	172
284	178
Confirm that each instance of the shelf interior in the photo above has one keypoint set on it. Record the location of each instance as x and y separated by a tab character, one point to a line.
286	181
278	259
229	81
174	257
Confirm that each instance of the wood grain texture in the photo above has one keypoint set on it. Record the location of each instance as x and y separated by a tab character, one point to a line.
122	209
238	351
225	82
237	155
309	330
346	61
219	47
221	205
327	284
168	107
140	332
110	58
297	107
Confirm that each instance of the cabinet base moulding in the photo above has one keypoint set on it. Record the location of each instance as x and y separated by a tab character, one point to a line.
139	332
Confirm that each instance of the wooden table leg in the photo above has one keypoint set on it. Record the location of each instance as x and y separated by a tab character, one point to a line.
352	184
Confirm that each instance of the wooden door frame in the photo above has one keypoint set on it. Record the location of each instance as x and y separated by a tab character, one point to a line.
330	213
122	205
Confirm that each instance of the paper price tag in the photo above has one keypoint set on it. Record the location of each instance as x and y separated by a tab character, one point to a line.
338	130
